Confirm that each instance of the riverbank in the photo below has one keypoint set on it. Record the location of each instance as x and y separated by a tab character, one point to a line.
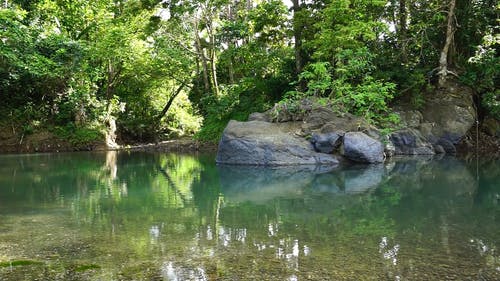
178	145
46	142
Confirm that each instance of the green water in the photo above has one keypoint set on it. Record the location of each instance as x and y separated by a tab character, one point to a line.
145	216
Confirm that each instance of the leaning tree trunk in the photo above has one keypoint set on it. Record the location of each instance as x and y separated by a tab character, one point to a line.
443	59
169	103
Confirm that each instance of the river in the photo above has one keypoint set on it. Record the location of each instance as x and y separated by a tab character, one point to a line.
165	216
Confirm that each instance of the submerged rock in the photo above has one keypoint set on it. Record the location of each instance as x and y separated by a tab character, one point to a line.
263	143
359	147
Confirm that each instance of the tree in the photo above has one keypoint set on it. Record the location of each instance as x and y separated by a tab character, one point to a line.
443	58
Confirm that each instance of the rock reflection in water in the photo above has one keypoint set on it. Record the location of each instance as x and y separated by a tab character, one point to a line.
261	184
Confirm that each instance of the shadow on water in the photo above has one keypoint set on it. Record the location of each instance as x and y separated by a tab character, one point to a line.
146	216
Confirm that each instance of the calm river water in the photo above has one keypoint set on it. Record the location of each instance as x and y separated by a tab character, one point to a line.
158	216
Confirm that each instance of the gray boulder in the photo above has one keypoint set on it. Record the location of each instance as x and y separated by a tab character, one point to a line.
451	112
410	142
447	146
270	144
326	143
359	147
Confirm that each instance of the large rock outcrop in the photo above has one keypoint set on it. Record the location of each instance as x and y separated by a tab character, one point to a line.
279	136
450	112
264	143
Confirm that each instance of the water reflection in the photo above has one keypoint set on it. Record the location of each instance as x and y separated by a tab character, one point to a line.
261	184
180	217
179	273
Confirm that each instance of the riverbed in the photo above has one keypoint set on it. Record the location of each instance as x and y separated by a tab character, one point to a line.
167	216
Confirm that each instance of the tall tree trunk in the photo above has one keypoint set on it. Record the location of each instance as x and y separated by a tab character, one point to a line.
203	58
113	74
231	66
231	45
297	35
402	34
443	59
213	61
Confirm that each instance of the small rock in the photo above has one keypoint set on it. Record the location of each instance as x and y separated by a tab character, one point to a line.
447	146
359	147
410	142
439	149
326	143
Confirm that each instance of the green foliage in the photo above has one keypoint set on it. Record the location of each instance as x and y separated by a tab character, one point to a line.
87	62
363	95
79	137
318	78
349	86
235	102
219	112
346	24
81	62
491	101
484	74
